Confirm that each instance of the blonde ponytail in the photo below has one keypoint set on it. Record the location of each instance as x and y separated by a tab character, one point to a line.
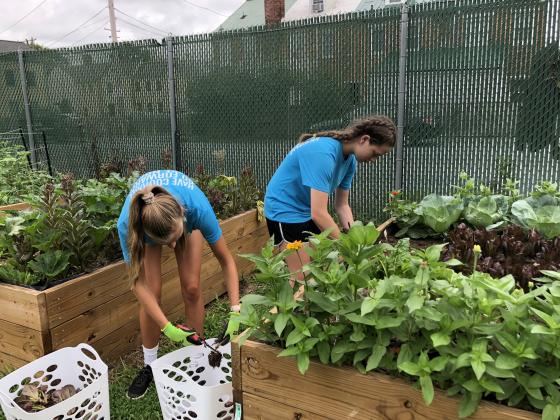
153	211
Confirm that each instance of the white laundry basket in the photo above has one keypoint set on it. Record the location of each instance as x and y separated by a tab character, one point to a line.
190	389
80	366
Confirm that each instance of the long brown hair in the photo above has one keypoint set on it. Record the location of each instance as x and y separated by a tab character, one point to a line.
380	128
155	212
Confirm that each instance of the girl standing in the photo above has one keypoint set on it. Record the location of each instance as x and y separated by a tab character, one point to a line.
165	207
297	196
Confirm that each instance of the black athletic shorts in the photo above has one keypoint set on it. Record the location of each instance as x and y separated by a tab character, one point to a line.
290	232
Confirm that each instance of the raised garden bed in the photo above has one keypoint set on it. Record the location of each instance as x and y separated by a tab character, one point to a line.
271	387
17	206
100	309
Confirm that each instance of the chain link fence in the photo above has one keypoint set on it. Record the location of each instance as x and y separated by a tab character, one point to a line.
482	94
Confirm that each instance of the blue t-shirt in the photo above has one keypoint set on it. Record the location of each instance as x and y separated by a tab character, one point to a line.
199	212
318	163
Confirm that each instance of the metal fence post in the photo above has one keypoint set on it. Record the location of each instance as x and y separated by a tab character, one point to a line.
27	109
401	96
175	144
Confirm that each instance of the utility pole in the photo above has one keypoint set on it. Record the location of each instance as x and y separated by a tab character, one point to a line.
112	20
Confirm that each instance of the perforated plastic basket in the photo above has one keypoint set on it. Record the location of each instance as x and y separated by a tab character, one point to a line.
80	366
190	389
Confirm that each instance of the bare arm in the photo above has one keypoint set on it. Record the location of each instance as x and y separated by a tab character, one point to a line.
151	275
229	269
342	208
320	214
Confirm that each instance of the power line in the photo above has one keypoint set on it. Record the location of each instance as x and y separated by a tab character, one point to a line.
143	23
78	27
205	8
147	31
24	16
91	32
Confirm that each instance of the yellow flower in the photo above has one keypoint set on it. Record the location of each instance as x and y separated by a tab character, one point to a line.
477	249
294	245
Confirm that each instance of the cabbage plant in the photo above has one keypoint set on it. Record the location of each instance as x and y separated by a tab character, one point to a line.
439	212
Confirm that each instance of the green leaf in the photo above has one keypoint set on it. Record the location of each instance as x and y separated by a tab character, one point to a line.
339	350
478	367
469	404
368	305
324	350
551	412
409	367
300	325
360	355
507	361
309	344
280	323
357	336
50	264
290	351
453	262
440	339
286	297
322	301
377	353
353	317
252	299
541	329
294	337
473	386
499	373
433	252
550	321
303	362
427	389
438	363
491	385
389	321
414	302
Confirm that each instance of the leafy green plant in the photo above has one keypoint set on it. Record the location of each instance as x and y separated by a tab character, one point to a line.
532	214
405	217
226	194
70	230
18	181
486	211
377	306
439	212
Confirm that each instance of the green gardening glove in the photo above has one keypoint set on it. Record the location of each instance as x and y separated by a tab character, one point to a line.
175	334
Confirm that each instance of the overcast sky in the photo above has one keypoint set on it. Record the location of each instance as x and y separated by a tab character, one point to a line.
63	23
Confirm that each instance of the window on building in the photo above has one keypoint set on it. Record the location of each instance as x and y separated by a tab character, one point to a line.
317	6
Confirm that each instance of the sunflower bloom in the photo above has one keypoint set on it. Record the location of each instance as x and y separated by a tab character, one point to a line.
294	245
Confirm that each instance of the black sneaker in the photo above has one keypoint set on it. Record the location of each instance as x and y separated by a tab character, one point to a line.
140	384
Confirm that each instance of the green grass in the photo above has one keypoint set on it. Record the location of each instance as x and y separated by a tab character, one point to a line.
121	375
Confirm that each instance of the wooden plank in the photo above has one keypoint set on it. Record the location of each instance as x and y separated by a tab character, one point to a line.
21	305
23	342
17	206
96	323
258	408
9	363
119	342
335	392
74	297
